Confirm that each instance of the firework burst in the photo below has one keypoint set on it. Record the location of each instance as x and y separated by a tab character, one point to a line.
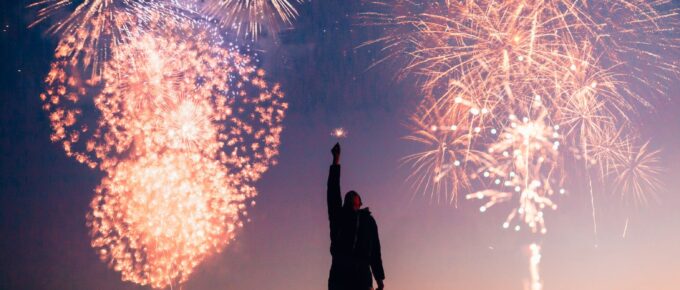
183	127
582	65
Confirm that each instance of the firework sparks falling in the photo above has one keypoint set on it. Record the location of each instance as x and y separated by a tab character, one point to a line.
251	17
524	162
183	128
478	62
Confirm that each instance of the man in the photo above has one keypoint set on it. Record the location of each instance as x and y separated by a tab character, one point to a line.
355	246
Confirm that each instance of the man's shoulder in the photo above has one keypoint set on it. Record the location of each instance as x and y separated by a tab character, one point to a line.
366	213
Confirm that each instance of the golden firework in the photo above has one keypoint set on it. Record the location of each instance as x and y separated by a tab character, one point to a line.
580	63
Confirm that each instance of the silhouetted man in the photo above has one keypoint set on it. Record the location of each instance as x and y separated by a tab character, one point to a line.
355	245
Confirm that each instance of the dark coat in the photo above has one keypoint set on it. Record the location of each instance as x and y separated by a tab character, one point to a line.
355	245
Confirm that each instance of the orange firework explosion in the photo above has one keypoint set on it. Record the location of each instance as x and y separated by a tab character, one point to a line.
184	128
155	218
253	16
583	63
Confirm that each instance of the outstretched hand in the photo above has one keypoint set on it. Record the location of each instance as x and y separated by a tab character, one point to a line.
336	153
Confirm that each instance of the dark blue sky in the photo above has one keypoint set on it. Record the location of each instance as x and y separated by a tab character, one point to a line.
44	196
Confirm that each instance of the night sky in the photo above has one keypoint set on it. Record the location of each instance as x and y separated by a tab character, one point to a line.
44	196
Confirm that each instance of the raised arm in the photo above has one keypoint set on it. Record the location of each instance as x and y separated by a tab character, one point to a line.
333	193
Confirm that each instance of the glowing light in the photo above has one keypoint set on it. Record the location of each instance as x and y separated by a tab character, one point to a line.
339	133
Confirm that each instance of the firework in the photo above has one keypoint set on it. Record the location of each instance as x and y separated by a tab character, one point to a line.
532	84
251	17
183	127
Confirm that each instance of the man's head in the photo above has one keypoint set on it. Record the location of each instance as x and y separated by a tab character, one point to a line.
352	200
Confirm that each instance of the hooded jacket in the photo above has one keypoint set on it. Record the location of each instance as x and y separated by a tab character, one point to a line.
355	244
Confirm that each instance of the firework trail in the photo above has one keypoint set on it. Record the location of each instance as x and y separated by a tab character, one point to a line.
572	74
252	17
535	282
182	127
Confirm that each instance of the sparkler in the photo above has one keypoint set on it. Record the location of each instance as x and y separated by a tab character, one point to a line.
251	17
339	133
